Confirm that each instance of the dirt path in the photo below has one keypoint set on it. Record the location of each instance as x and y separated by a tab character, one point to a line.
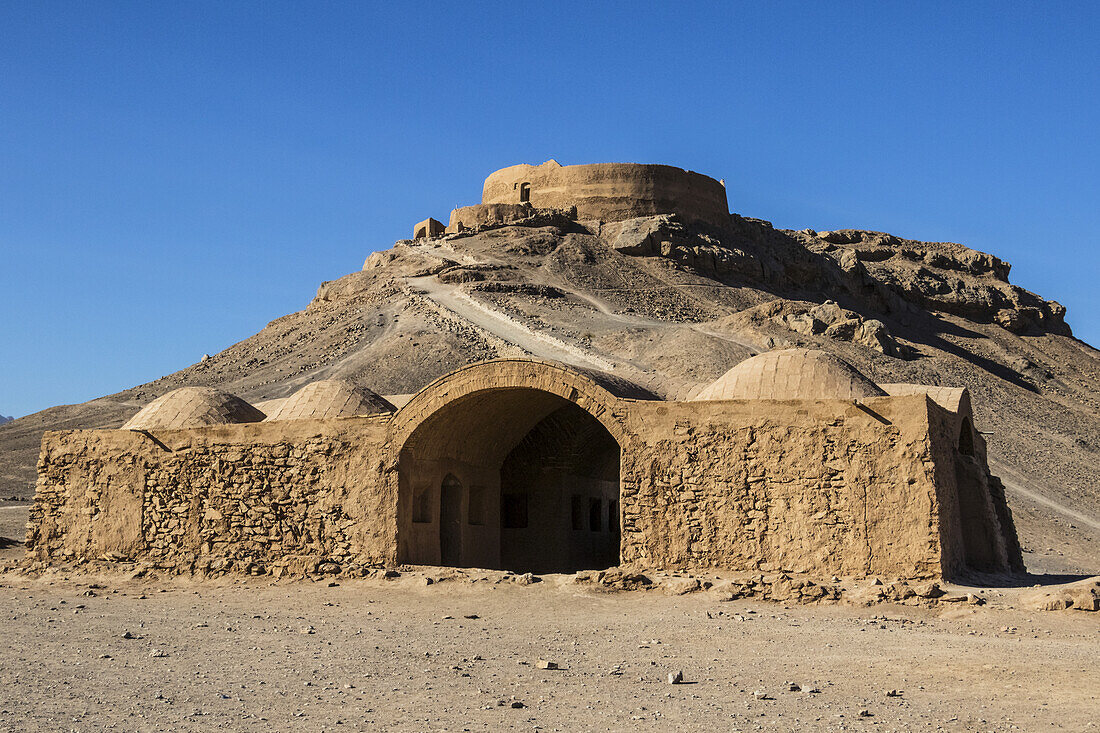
506	328
402	656
1015	484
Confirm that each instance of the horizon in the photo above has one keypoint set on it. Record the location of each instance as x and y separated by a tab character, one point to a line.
174	177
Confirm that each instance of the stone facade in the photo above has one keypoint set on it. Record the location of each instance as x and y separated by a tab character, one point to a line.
428	228
606	192
612	191
535	466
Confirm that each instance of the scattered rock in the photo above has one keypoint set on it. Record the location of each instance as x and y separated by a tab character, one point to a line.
682	586
676	678
928	590
1083	595
544	664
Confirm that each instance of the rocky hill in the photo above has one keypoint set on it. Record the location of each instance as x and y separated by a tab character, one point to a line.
673	306
4	419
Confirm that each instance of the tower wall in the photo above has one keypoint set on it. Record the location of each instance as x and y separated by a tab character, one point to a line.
611	191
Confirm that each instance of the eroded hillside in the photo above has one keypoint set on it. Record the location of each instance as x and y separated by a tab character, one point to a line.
672	307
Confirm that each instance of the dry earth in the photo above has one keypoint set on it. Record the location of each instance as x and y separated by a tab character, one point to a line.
89	652
463	655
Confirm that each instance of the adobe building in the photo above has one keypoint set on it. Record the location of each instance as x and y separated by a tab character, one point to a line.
601	191
792	461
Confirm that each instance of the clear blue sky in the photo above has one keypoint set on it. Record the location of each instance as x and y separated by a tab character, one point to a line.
175	175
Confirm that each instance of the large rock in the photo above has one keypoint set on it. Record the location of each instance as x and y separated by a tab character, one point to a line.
1083	595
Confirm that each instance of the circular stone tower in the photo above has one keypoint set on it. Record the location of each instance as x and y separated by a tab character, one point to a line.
611	191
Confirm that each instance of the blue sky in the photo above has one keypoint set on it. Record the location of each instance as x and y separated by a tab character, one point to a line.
175	175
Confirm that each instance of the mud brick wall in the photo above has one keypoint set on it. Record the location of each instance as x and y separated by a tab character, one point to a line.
885	486
782	486
251	498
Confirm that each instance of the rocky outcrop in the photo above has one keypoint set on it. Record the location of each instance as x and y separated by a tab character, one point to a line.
832	321
666	236
942	276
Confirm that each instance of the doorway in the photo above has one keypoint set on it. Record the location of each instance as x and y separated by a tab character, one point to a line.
527	481
450	521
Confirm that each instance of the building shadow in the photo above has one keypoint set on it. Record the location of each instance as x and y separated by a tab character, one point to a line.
1024	580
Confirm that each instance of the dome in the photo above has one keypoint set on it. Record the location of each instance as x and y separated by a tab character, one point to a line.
330	398
792	374
192	407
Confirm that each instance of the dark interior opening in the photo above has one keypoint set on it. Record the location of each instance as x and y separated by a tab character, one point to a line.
524	193
966	437
532	479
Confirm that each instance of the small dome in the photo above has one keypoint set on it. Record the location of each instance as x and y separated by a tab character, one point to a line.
792	374
330	398
192	407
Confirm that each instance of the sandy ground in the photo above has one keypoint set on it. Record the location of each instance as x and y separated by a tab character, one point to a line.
86	653
401	656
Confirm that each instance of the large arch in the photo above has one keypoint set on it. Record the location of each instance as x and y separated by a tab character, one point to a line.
535	447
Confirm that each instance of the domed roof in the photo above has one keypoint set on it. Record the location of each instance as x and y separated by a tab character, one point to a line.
792	374
192	407
330	398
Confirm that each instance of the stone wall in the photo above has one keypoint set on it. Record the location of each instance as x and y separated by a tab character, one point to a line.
798	486
479	215
612	191
251	498
829	486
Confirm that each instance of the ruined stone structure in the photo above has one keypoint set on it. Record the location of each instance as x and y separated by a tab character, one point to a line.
428	228
792	461
602	191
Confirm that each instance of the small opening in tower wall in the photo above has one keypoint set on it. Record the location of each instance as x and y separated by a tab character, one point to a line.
524	193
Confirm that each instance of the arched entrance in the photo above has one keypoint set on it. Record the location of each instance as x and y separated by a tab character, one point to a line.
518	467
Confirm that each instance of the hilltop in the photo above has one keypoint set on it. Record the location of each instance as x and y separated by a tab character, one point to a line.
671	306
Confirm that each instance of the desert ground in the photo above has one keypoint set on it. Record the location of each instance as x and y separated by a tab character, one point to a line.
108	651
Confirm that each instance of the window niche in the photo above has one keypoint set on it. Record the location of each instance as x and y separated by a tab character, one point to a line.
513	511
576	508
595	515
422	506
475	512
